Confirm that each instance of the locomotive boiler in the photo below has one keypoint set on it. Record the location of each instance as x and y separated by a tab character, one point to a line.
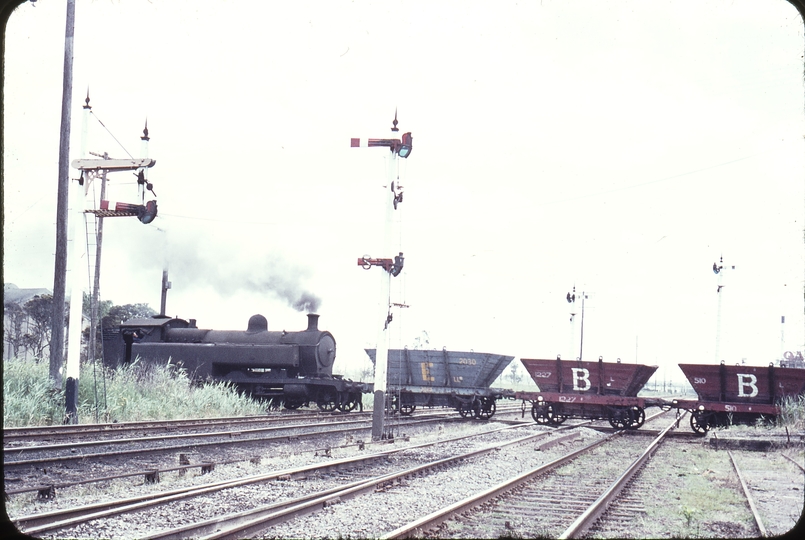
291	368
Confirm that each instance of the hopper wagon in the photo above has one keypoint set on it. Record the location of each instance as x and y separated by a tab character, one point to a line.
589	390
737	394
454	379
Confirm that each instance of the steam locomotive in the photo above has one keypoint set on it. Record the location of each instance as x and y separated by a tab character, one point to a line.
291	369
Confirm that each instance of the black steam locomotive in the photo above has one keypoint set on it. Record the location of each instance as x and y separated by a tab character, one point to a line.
288	368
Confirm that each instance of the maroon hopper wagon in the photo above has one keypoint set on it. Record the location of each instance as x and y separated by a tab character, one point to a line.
737	394
593	390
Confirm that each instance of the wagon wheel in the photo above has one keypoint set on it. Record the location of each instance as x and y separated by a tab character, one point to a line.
328	399
539	412
555	415
465	410
637	417
486	410
392	405
619	418
407	409
698	422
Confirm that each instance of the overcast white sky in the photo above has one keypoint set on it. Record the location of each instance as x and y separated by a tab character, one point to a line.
618	146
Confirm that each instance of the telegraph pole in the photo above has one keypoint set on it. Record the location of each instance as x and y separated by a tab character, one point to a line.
62	197
392	197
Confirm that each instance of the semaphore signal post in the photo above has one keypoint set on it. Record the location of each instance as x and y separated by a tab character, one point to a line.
400	148
145	212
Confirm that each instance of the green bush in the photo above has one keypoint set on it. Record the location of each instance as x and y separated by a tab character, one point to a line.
135	392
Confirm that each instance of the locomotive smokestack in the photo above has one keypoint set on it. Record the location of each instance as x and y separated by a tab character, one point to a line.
312	322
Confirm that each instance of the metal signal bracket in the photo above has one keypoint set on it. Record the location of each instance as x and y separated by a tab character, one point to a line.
392	266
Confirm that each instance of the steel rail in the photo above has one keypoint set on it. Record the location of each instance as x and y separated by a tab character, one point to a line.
23	432
230	433
176	436
794	462
749	498
591	515
437	517
40	432
246	524
145	473
234	439
40	523
443	514
163	449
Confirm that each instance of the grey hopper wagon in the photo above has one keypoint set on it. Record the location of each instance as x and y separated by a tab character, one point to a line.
441	378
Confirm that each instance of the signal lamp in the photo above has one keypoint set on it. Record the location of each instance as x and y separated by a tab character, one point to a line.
406	145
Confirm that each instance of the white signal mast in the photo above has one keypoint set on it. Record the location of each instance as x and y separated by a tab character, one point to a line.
393	196
718	269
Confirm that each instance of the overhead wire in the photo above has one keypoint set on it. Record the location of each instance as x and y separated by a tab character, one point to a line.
110	133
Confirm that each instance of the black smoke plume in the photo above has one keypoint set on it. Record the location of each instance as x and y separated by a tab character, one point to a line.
228	266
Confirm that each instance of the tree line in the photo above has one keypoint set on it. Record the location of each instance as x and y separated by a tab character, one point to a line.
27	326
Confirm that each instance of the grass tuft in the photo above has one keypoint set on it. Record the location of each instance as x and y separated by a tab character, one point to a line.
792	413
132	393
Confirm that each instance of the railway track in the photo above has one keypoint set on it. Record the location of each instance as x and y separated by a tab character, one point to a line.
52	468
32	434
344	490
68	451
772	515
26	437
63	520
542	501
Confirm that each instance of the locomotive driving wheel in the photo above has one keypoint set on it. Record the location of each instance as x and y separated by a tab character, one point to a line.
485	408
699	422
348	405
328	399
292	405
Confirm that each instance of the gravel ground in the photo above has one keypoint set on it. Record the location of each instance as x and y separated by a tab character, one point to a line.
777	486
233	500
688	489
416	497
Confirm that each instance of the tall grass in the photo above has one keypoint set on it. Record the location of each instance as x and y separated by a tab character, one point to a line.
792	413
136	392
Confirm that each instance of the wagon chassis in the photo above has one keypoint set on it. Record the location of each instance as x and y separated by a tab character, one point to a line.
709	414
553	408
469	402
